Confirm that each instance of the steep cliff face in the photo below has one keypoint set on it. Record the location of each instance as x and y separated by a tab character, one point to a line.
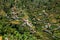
30	19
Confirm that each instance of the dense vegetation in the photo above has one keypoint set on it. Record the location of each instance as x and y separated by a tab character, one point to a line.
30	19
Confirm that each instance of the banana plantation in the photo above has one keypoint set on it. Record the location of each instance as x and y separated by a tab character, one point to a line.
29	19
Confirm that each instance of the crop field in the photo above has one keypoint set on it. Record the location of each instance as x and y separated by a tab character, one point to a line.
29	19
